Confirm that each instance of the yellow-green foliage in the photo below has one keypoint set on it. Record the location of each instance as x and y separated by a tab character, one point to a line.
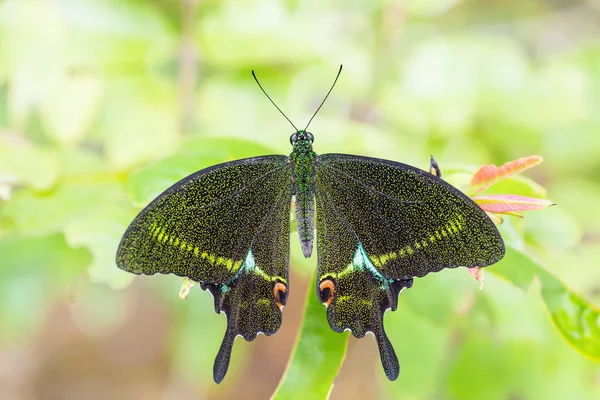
105	104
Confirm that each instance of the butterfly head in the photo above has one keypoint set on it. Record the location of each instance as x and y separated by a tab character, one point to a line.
301	137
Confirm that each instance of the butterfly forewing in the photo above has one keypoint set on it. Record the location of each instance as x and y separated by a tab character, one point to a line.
409	222
202	226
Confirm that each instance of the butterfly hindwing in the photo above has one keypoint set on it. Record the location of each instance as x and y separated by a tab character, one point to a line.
227	227
355	293
253	300
379	224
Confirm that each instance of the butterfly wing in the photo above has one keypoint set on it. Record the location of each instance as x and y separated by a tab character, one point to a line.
381	223
355	293
409	222
227	227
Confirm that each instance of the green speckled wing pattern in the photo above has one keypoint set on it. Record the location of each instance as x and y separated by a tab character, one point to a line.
381	223
409	222
358	295
202	226
227	227
253	300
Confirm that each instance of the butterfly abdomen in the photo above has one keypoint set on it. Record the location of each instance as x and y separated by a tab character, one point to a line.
303	162
305	216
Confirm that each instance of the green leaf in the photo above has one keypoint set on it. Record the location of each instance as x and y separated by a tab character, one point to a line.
421	346
34	272
139	123
100	232
195	343
23	163
430	299
575	319
146	183
37	38
244	46
555	229
40	214
69	115
316	358
91	214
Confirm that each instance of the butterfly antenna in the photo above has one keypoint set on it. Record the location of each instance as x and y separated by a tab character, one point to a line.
279	109
326	96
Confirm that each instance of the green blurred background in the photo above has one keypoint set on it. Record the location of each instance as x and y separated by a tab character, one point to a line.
103	104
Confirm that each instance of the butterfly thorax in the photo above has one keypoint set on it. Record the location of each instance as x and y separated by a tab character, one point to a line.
303	160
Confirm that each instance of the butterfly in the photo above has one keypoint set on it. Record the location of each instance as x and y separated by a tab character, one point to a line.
379	225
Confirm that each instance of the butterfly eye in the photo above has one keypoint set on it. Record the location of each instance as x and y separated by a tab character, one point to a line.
310	136
326	291
280	293
294	137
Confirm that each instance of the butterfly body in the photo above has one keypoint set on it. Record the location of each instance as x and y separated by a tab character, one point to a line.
302	161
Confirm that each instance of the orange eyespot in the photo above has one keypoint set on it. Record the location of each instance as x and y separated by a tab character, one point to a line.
326	291
280	293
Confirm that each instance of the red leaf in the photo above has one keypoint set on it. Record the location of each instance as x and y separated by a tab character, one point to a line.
489	174
477	273
509	203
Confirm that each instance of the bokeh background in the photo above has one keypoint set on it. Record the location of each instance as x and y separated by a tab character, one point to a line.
104	103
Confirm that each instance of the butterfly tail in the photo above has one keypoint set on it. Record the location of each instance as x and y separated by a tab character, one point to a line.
389	361
223	357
